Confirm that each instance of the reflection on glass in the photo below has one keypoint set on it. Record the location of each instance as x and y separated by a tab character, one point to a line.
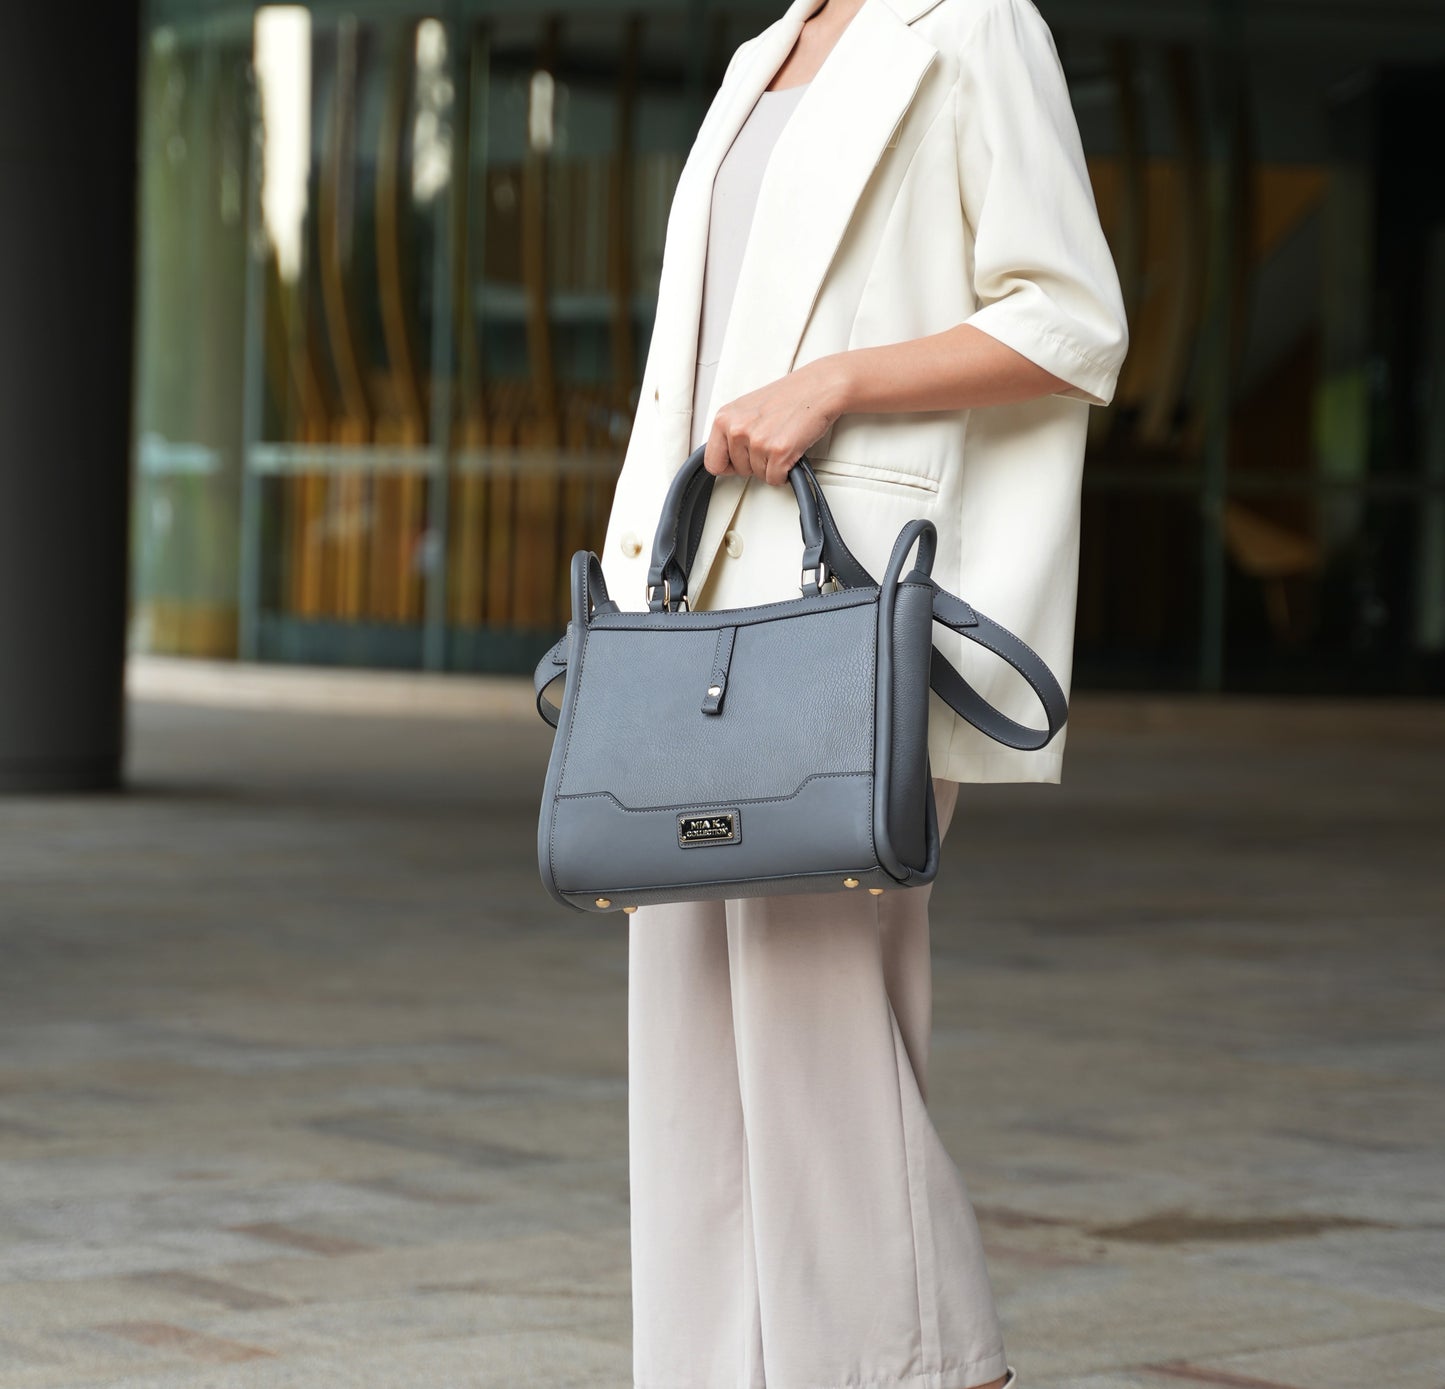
358	142
194	169
431	131
455	232
283	82
568	194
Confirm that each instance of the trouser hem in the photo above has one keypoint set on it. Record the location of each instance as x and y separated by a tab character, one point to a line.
984	1371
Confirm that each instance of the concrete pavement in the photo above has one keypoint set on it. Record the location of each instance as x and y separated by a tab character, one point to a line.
304	1082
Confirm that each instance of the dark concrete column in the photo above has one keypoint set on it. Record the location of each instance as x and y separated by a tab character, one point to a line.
68	94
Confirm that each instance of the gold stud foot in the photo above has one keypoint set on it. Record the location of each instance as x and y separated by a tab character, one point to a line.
875	891
629	910
850	882
604	902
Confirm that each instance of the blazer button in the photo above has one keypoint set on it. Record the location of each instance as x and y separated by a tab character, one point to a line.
657	395
631	545
734	544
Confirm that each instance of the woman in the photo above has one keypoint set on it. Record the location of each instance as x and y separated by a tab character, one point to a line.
883	252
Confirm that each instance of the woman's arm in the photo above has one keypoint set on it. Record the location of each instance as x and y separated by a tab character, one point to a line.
766	431
954	370
1050	319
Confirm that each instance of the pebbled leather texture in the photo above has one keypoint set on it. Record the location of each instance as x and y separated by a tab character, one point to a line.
808	766
799	700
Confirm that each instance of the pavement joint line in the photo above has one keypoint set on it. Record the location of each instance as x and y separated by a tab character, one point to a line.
1180	1369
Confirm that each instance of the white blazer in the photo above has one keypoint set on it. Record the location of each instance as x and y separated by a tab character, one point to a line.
931	174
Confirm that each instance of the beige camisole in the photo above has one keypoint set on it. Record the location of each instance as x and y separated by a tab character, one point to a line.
734	197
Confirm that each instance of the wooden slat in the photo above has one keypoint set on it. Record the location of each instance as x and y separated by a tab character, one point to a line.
469	217
466	579
337	583
497	607
388	210
336	297
1186	302
535	269
405	421
619	213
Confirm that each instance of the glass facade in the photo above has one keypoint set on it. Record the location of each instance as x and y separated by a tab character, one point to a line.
397	281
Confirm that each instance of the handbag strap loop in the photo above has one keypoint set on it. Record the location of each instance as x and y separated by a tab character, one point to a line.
589	596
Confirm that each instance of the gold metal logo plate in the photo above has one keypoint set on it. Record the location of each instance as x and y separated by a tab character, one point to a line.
715	827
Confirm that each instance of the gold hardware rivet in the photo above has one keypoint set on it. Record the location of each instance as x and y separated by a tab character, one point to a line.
629	910
876	891
850	882
604	902
714	690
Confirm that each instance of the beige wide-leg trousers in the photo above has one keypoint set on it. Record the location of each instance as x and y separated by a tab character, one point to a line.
796	1222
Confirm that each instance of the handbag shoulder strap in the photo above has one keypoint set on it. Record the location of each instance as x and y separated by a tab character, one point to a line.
967	703
944	677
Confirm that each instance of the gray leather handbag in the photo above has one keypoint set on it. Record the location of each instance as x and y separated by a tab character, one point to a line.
752	751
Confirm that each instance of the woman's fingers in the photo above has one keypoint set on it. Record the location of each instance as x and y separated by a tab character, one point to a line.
764	433
716	458
778	470
743	444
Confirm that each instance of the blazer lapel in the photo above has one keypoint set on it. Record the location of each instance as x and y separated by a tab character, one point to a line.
818	170
680	285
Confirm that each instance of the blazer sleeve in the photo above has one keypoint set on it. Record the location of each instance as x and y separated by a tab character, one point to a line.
1042	272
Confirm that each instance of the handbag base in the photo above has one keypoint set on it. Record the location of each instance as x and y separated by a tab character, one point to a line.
874	881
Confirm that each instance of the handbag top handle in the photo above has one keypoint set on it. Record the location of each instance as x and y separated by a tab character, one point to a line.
679	531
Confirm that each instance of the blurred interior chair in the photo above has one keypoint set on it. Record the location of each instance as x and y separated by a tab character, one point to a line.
1276	555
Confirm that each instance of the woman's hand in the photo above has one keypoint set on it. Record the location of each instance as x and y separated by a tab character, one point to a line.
762	434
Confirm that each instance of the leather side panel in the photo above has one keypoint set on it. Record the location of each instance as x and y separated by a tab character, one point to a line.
908	774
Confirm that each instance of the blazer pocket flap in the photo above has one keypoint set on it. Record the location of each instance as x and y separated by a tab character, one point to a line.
871	472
